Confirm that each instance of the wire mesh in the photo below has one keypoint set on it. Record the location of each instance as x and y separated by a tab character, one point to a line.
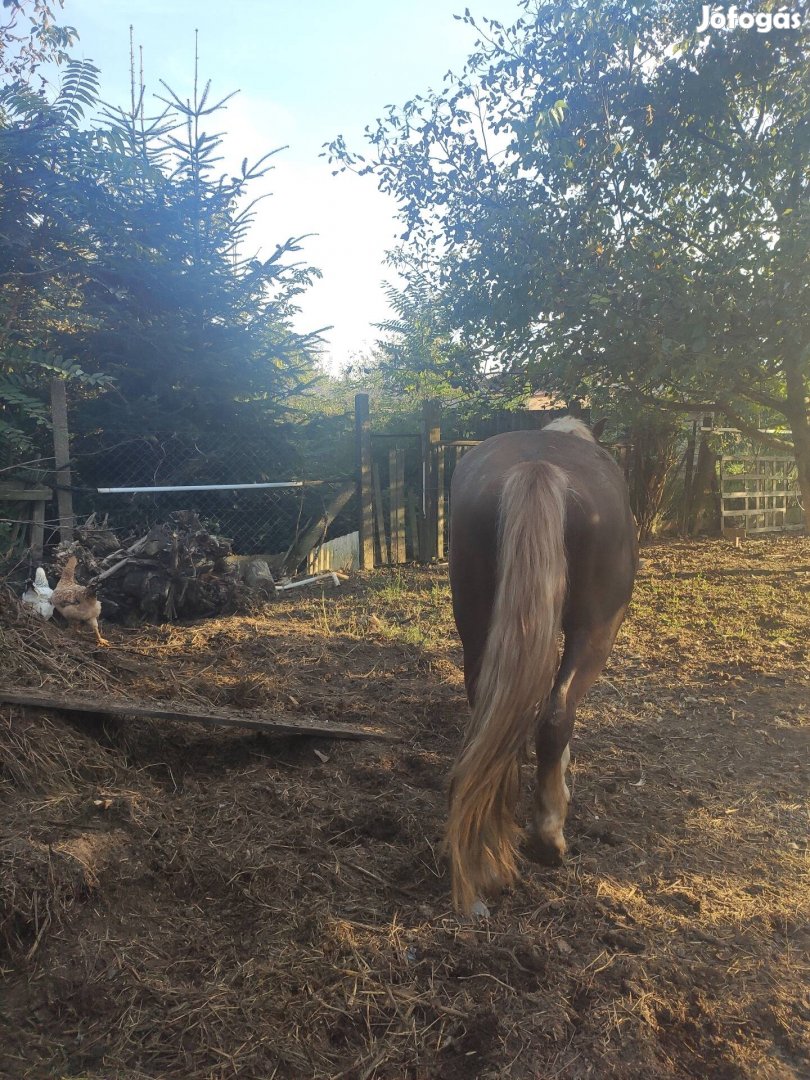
260	521
257	522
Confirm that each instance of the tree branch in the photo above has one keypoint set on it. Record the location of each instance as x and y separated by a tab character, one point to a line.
754	433
760	398
665	228
723	407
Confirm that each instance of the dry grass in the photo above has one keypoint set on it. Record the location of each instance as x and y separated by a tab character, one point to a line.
177	903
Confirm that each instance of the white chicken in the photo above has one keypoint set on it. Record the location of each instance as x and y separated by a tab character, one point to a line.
38	595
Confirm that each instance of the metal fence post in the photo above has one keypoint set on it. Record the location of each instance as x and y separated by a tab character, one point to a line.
365	500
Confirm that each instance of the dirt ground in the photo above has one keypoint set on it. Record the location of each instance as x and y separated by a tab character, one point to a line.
182	903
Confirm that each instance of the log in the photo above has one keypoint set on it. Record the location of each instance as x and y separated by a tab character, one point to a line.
115	568
305	543
36	699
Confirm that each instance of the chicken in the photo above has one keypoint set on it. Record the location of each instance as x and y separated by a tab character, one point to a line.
77	603
38	595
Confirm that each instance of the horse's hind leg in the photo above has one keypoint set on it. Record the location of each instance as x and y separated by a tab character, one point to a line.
584	657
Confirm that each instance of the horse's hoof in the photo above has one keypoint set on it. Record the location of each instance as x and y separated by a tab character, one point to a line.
479	910
543	851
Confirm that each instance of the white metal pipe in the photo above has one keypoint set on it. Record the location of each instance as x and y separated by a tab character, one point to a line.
204	487
308	581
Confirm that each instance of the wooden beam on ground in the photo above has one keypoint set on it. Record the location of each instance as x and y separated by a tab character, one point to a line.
37	699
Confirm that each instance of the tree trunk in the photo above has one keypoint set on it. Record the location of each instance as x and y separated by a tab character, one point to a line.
801	441
796	411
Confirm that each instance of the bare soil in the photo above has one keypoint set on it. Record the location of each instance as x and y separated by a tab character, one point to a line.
182	903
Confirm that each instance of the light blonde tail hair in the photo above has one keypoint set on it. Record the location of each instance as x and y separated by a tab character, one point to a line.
517	674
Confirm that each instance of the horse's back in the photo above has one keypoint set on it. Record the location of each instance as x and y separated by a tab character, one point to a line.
600	534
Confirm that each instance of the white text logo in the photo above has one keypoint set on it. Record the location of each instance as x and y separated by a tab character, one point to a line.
713	18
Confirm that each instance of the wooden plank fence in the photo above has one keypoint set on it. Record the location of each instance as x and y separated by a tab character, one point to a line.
759	494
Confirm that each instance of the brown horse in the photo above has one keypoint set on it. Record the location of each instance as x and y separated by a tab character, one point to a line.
542	540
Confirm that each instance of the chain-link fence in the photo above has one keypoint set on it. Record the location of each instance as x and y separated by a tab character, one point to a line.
268	520
260	519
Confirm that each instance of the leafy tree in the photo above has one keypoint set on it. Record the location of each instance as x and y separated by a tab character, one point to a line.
30	38
46	187
122	255
418	355
607	198
197	334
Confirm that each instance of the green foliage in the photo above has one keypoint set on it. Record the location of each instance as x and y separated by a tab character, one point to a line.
30	39
123	259
607	200
214	344
43	254
418	356
323	418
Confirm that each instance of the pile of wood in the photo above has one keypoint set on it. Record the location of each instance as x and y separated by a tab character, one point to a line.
177	571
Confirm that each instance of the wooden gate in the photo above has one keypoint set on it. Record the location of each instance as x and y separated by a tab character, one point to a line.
759	494
403	481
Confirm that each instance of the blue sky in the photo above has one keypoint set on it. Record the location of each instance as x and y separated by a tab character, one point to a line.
306	72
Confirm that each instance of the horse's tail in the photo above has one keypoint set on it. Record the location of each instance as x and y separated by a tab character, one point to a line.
516	678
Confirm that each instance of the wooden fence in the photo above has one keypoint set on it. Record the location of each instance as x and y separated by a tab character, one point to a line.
759	494
403	483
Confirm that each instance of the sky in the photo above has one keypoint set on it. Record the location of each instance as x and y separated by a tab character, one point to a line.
306	72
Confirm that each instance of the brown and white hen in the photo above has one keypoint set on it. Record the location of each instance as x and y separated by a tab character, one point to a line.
77	603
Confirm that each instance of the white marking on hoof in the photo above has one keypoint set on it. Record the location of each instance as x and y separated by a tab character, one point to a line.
552	799
479	910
